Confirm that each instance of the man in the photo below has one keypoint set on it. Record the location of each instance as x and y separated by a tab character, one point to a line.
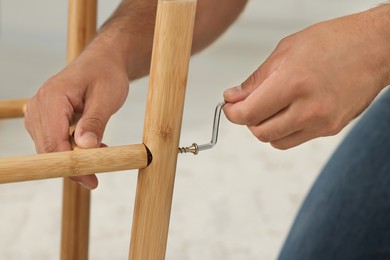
121	52
313	84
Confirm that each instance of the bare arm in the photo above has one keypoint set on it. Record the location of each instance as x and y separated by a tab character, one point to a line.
131	29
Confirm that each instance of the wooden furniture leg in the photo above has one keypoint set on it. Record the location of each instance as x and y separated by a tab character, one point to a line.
76	199
12	108
164	110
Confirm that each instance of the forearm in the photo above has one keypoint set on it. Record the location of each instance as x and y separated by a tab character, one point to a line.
128	35
213	17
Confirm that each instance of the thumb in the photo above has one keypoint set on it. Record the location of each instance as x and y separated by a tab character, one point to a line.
239	106
236	96
90	128
241	92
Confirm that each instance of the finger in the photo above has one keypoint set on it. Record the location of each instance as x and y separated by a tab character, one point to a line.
293	140
242	91
277	127
90	129
88	181
52	135
263	103
49	128
239	93
54	124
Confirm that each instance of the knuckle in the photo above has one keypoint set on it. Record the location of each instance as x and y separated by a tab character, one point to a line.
317	113
262	137
279	145
51	87
252	81
260	134
249	117
285	42
96	120
333	128
44	90
300	87
49	144
254	77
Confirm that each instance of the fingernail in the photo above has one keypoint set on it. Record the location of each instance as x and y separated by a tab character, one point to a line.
86	185
88	140
233	91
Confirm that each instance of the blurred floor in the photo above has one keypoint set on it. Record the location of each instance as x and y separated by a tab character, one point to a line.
234	202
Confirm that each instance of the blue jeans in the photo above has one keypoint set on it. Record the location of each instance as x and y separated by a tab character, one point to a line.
346	215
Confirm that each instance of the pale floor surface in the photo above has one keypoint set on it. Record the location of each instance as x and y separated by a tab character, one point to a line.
234	202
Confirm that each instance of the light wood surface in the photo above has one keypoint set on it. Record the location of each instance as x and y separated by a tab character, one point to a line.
12	108
163	118
81	26
73	163
76	199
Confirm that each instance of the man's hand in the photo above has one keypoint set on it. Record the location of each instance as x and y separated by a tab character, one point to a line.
95	85
92	88
316	81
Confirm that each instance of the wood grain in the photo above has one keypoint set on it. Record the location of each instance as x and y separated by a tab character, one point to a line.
12	108
73	163
163	118
76	199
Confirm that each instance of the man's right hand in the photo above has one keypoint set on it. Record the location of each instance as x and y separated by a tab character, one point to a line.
93	87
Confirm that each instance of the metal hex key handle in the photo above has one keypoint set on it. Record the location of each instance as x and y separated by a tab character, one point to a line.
195	148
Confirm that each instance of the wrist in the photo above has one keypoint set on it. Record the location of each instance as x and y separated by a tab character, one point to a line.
379	29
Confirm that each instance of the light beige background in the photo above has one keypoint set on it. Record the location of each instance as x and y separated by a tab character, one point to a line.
234	202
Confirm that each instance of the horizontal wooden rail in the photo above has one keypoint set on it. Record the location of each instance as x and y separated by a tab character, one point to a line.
74	163
12	108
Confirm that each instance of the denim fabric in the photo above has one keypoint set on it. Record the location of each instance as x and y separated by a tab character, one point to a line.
346	215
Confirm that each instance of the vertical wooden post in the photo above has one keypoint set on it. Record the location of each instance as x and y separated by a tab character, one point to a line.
76	199
163	118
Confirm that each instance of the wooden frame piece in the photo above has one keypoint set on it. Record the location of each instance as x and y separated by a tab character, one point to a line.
12	108
82	16
74	163
168	76
163	118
